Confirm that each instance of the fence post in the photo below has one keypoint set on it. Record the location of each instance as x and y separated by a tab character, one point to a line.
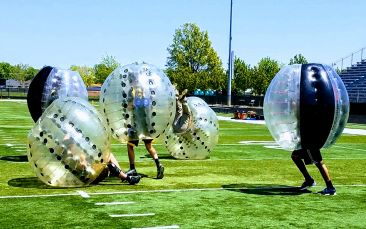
351	59
342	65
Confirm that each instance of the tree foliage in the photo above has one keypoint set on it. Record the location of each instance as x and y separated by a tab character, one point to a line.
20	72
263	74
86	73
192	62
104	68
298	59
242	76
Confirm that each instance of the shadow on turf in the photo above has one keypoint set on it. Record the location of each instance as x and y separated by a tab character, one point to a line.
165	157
265	189
21	158
28	182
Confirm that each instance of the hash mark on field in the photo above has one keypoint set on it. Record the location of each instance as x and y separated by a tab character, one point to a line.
83	194
19	147
159	227
131	215
114	203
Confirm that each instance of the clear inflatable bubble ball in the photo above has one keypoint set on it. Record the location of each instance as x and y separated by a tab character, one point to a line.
69	145
51	83
306	106
138	102
199	140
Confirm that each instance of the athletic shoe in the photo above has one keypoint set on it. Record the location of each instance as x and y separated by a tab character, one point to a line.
132	172
114	170
307	184
160	171
133	179
328	192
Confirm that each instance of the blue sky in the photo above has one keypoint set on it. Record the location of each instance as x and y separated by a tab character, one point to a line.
80	32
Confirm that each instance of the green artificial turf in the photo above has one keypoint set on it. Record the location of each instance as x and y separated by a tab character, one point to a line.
246	183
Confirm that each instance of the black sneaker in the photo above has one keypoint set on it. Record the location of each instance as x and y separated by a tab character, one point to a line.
307	184
131	172
328	192
114	170
160	171
133	179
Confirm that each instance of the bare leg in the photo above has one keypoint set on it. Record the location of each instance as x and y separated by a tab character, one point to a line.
131	155
154	155
112	159
325	174
151	150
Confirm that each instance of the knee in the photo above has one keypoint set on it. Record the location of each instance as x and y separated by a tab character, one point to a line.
319	164
295	157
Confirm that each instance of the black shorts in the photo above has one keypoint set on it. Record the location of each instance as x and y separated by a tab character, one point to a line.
136	142
309	156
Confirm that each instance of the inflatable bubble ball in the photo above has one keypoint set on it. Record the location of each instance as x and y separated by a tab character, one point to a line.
69	145
51	83
198	141
137	101
306	106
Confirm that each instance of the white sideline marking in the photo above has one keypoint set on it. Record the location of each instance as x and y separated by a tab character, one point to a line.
156	191
114	203
349	148
36	196
19	147
262	122
13	144
83	194
131	215
159	227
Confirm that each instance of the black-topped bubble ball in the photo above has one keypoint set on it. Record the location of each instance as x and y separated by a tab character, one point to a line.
306	106
51	83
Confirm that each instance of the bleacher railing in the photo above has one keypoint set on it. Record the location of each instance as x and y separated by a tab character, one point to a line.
350	60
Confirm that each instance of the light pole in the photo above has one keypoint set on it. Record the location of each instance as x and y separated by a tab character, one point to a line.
230	69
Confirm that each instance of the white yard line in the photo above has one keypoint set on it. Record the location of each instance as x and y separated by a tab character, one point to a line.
131	215
114	203
159	227
262	122
19	147
13	144
342	147
158	191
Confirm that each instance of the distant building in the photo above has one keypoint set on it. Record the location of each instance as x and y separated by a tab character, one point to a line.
11	83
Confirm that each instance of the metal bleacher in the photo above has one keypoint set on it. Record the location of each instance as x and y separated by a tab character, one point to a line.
354	78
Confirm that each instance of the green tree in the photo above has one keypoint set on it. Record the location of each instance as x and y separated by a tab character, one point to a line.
263	74
242	76
192	62
23	72
30	72
104	68
5	70
298	59
86	73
